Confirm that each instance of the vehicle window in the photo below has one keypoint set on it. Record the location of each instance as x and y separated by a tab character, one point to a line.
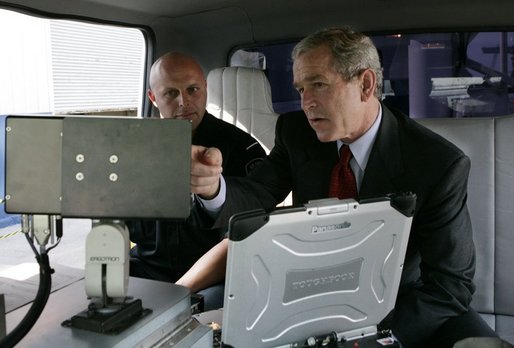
460	74
67	67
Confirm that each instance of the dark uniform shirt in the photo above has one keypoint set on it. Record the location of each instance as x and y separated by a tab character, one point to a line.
166	249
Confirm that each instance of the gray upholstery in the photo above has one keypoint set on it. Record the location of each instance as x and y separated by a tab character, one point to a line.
488	142
242	96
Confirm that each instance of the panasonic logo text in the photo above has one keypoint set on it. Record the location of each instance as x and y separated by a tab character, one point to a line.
330	228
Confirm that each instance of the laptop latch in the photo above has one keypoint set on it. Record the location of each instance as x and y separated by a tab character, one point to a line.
331	206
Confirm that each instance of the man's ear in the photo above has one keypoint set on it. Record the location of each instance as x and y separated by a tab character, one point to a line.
151	96
368	83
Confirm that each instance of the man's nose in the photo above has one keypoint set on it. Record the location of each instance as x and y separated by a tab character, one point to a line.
307	100
180	99
184	99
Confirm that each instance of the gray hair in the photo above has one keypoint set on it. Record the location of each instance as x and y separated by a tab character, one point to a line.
353	52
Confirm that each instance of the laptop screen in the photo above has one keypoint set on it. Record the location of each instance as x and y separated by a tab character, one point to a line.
330	266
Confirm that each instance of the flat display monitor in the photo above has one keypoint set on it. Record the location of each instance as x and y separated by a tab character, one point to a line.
98	167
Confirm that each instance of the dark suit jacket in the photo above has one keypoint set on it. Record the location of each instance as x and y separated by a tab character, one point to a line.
440	260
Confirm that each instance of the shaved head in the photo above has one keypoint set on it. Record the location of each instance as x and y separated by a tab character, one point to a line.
174	61
178	87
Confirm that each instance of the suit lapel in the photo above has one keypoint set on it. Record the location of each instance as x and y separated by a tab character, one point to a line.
312	165
385	162
319	157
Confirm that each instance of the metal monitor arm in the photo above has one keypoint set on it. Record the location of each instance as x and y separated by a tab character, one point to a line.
106	279
107	264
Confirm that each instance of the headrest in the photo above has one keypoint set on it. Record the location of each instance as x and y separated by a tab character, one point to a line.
242	96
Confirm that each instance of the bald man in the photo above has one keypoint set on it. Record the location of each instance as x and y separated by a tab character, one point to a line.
169	250
178	88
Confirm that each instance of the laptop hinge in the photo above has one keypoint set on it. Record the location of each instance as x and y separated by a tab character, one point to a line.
357	333
331	338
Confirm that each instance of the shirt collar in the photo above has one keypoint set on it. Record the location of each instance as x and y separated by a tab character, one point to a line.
361	148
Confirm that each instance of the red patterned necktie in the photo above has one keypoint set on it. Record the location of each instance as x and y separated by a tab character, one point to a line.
342	180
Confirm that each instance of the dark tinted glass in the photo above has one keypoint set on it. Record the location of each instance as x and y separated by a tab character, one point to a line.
460	74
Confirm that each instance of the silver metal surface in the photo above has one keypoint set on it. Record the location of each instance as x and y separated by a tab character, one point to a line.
33	165
170	305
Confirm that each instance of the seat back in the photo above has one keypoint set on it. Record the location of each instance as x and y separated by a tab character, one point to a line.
242	96
488	143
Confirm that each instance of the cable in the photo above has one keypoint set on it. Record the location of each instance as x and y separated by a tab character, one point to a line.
58	233
31	243
45	285
53	246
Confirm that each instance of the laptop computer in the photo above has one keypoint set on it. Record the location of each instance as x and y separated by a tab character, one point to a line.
329	268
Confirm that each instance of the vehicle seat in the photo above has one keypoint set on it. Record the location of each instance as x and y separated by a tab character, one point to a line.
488	143
242	96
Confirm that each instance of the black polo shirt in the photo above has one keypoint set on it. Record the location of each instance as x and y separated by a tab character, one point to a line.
166	249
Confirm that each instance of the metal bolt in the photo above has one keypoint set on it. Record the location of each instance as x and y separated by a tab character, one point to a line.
311	341
113	159
79	158
8	128
113	177
7	197
79	176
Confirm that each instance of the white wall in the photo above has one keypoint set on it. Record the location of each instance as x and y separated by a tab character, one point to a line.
59	67
24	64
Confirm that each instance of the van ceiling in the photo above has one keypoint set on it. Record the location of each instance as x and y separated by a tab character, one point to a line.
295	16
211	28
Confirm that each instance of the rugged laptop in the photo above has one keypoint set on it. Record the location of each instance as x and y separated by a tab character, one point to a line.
330	268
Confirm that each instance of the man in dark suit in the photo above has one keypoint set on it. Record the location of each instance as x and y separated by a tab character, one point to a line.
338	75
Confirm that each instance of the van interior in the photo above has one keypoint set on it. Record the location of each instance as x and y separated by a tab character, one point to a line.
449	64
